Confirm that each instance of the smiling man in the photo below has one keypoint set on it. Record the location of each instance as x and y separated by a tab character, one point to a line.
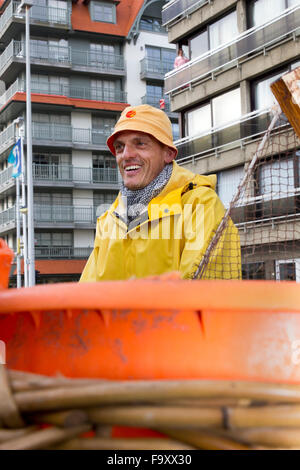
164	216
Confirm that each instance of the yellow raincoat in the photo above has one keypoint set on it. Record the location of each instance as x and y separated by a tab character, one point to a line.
172	235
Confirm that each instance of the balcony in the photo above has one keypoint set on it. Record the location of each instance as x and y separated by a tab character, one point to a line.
235	134
59	58
58	135
68	216
70	91
155	102
7	138
173	11
155	69
64	252
255	40
73	174
7	219
11	22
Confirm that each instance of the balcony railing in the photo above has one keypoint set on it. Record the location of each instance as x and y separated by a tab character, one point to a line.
8	216
38	13
58	133
53	54
71	91
156	67
173	10
64	214
103	60
6	175
249	127
254	40
71	173
7	137
155	101
65	252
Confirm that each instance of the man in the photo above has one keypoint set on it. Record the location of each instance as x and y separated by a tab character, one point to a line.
164	216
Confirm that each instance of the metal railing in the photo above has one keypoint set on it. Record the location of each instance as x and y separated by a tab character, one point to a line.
7	137
71	91
154	101
59	133
6	175
103	60
66	252
64	214
173	10
156	66
70	173
8	216
38	13
232	134
53	54
251	41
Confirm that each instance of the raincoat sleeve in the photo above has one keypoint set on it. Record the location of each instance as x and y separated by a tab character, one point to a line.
203	212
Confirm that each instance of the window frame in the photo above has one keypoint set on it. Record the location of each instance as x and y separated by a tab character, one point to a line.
103	4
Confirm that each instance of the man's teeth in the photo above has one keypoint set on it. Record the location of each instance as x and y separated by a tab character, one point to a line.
132	167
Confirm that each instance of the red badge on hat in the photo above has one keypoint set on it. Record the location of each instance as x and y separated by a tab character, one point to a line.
131	113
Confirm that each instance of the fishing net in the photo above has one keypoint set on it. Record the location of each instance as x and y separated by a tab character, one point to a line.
266	212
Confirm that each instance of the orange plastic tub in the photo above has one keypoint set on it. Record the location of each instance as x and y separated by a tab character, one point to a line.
151	329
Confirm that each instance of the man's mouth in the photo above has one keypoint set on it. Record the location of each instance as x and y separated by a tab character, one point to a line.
132	168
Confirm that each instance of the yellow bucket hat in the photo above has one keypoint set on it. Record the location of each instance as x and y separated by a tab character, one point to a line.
144	118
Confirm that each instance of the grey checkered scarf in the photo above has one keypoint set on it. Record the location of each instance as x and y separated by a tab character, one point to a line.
138	200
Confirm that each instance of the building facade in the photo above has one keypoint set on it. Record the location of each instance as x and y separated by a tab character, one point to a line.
89	60
236	49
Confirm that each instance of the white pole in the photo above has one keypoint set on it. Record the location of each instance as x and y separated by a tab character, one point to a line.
31	260
18	230
24	216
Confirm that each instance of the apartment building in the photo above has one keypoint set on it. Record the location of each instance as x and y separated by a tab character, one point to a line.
89	60
236	49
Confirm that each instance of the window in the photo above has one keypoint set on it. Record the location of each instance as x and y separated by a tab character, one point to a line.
219	111
215	34
277	177
50	84
175	131
160	60
104	90
104	12
154	93
228	181
103	123
52	50
56	199
53	239
151	24
253	270
198	120
104	161
262	95
260	11
288	270
102	55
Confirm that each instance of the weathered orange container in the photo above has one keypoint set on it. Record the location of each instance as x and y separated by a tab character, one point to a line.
152	329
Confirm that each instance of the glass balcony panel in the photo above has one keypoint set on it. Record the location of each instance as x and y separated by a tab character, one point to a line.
52	172
83	214
180	7
227	55
6	175
82	175
8	216
247	128
105	175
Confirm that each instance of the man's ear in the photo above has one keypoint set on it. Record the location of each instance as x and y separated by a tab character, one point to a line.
169	154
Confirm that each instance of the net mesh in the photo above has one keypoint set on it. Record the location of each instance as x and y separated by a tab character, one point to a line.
266	213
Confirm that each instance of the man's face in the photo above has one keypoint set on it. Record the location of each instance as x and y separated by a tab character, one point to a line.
140	158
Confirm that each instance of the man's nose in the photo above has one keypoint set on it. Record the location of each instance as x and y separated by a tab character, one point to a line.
127	151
